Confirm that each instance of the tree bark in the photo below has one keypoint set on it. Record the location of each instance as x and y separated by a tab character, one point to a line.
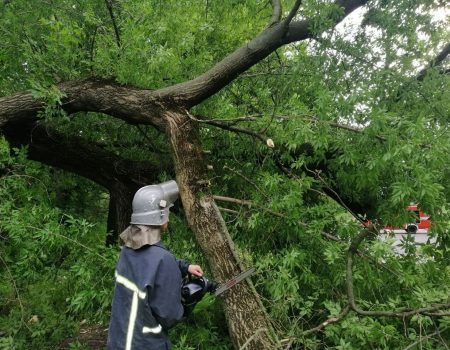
119	211
248	323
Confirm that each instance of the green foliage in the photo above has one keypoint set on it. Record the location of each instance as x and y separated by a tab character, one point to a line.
57	270
345	111
48	284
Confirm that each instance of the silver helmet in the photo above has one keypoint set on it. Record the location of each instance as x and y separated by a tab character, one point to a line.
151	203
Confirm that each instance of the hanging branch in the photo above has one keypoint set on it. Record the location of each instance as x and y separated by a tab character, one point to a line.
402	312
335	194
91	49
109	5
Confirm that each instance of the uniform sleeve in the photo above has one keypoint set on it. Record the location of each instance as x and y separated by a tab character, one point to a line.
183	265
165	299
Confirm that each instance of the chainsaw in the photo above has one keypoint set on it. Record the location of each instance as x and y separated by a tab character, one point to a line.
194	289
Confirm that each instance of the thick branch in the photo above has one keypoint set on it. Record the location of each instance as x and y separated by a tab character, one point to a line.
143	106
81	157
124	102
195	91
121	177
245	313
441	56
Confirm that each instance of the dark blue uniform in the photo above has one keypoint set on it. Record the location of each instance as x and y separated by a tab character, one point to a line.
147	298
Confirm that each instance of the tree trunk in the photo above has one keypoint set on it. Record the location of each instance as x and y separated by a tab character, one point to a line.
248	322
119	211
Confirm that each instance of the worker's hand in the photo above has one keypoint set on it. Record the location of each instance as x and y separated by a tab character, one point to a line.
195	270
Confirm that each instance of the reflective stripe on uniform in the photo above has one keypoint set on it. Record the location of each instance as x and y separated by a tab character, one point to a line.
130	285
137	293
132	321
154	330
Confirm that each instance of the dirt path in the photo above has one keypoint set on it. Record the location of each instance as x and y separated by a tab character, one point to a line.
91	336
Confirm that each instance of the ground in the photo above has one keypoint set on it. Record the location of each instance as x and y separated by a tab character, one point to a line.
91	337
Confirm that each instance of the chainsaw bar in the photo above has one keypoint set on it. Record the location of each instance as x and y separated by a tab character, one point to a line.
235	280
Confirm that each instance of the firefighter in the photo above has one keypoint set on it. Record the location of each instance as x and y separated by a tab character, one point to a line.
147	297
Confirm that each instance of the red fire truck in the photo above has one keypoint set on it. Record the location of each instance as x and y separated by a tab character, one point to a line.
421	225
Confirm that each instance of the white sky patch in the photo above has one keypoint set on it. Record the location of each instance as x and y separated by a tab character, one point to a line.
441	15
352	23
348	30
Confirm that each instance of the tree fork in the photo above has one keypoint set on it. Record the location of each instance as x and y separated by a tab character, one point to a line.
248	322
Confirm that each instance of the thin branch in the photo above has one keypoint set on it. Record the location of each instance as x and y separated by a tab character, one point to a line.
73	241
109	5
16	290
341	202
444	342
421	339
258	74
226	210
246	179
276	12
292	13
30	177
329	321
402	312
331	237
225	126
247	203
326	235
280	215
91	49
145	136
332	124
231	121
437	314
249	340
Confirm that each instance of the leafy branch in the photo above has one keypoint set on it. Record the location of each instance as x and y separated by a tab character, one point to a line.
329	321
425	338
227	124
402	312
